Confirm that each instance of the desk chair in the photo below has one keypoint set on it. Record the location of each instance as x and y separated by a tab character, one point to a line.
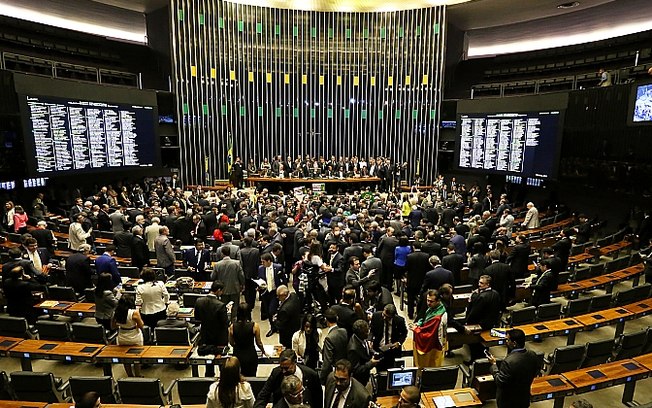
61	293
563	277
16	327
146	391
521	316
103	385
565	358
437	379
379	385
597	352
479	367
582	274
193	390
548	311
91	333
5	387
632	295
647	346
596	270
89	295
189	299
257	383
601	302
576	307
629	345
13	237
129	271
106	234
174	336
41	387
53	330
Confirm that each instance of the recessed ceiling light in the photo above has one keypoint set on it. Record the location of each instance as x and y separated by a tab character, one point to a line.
568	5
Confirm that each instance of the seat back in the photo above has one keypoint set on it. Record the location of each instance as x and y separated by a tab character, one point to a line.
30	386
601	302
102	385
89	295
172	336
596	270
89	333
189	299
53	330
549	311
66	293
14	327
192	390
566	358
630	345
257	383
523	316
634	294
576	307
440	378
597	352
146	391
581	274
564	277
5	388
129	271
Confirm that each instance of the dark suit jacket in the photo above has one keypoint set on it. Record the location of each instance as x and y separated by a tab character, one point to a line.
336	277
562	250
417	265
360	357
345	317
20	301
271	391
201	264
279	275
514	379
334	349
352	250
44	238
437	277
211	312
139	251
377	330
250	260
384	298
288	319
541	288
78	272
431	248
358	395
502	280
122	241
108	264
519	259
484	309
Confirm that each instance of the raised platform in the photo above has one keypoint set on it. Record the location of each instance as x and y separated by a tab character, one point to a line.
330	183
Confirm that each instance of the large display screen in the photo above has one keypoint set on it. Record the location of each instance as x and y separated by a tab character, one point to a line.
642	112
525	144
72	135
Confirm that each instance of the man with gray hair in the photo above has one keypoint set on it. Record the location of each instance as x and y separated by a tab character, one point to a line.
292	391
139	249
531	220
44	237
437	276
151	232
288	315
165	257
78	269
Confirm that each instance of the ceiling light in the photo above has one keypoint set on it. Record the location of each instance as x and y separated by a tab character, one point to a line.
570	4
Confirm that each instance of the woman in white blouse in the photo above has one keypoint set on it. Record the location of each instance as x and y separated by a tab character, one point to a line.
152	297
231	390
305	342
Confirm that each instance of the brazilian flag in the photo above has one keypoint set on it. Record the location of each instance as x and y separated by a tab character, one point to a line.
229	155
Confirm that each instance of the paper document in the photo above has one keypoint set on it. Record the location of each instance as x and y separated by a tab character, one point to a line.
444	402
260	282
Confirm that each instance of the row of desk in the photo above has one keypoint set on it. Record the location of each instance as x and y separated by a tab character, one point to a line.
607	281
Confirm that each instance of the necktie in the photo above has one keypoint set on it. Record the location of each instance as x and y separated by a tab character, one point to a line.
336	401
386	333
36	259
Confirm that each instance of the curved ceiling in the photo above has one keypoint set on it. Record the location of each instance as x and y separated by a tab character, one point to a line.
360	6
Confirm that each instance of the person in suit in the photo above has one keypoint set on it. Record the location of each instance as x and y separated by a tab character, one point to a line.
78	269
543	284
164	250
250	261
118	220
197	261
435	278
39	257
388	331
484	310
287	319
229	271
519	258
386	251
103	218
360	352
292	391
335	344
346	314
76	233
418	264
18	288
377	297
343	391
173	322
502	279
211	313
336	277
139	249
430	246
516	373
44	237
531	220
274	276
454	261
271	391
107	263
562	248
122	241
77	208
370	263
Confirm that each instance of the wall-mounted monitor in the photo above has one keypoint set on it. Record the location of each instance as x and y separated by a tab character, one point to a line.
640	106
448	124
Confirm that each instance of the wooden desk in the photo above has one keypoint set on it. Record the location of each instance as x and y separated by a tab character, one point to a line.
72	405
6	343
574	288
551	227
462	397
460	300
606	317
28	404
388	401
640	309
166	354
307	181
59	306
555	387
645	360
579	258
81	309
28	350
186	315
534	331
614	248
606	375
113	354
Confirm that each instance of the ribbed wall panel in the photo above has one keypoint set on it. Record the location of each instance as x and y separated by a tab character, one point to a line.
287	82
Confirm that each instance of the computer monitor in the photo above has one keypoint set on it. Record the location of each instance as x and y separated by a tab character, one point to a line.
397	378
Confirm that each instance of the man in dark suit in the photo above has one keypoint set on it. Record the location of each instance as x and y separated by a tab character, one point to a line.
250	261
78	269
360	353
119	220
18	288
335	278
229	271
103	218
385	252
288	315
345	313
107	263
437	276
543	285
335	344
484	310
198	227
430	246
519	258
44	237
562	248
210	311
353	249
139	248
271	391
122	241
274	276
198	261
502	279
418	265
389	332
292	391
377	297
516	373
454	262
340	385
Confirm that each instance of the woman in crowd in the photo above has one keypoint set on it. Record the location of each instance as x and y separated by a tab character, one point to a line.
130	329
8	220
231	390
242	334
20	220
305	342
315	257
106	300
123	199
152	297
400	260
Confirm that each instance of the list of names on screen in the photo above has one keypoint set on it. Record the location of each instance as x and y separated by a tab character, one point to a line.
71	135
